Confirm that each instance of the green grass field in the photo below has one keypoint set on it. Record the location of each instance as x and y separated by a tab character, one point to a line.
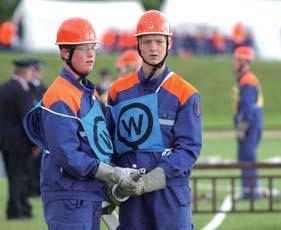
213	76
223	148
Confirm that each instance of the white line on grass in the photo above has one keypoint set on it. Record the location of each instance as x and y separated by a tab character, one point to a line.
218	218
214	159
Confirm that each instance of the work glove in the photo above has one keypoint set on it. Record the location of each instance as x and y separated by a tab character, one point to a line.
152	181
241	130
115	175
118	193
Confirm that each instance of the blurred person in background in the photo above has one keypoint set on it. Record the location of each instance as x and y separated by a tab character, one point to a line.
36	84
8	34
218	42
109	39
248	118
103	85
38	89
69	125
238	35
157	126
129	61
16	99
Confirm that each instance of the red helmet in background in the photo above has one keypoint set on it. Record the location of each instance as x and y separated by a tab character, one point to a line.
153	22
127	63
244	52
75	31
129	57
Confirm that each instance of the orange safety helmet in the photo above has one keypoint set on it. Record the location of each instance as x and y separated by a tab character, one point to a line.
129	57
74	31
153	22
244	52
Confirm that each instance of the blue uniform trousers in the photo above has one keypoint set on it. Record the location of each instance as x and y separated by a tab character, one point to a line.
168	209
72	214
247	153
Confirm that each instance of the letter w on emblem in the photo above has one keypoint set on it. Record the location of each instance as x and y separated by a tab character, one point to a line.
137	127
106	138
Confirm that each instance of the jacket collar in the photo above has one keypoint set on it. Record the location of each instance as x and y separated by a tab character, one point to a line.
156	81
87	86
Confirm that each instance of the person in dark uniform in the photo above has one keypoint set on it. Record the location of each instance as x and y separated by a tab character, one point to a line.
15	101
38	89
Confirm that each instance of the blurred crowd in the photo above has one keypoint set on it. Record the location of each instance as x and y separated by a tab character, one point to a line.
202	41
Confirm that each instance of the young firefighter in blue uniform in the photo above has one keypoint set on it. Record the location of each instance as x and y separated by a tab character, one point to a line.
157	126
69	125
248	119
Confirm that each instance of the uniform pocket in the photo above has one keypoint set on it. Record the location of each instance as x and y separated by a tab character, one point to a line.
167	122
182	194
73	204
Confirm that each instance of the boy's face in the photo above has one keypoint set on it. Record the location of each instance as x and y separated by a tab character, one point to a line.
153	47
83	57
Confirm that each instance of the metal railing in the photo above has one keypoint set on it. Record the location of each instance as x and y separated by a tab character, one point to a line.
212	200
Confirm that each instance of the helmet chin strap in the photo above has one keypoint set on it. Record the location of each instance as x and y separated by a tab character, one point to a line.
243	68
154	66
69	63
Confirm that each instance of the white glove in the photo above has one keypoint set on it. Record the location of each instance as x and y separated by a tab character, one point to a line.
153	181
115	175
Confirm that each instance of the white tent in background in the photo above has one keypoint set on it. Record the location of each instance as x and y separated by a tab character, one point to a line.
38	20
261	17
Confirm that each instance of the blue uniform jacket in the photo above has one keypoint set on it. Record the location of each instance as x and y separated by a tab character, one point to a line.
249	104
179	108
67	171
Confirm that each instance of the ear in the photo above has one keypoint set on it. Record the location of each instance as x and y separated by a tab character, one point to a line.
64	53
170	42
